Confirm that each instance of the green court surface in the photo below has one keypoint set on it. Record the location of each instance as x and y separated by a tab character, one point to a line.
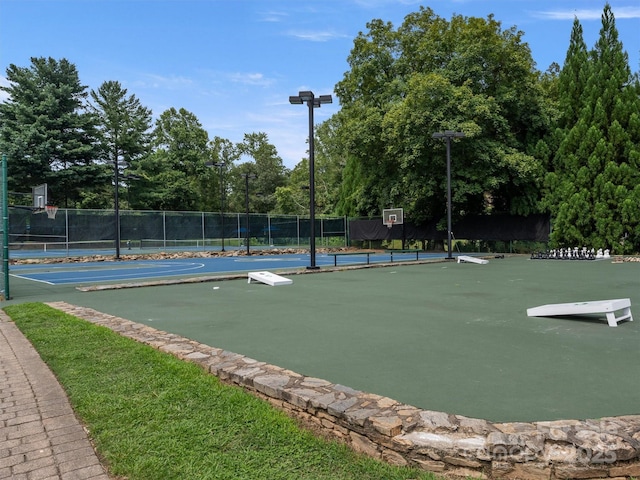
441	336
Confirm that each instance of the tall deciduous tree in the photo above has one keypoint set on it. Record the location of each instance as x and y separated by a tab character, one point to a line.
267	166
47	132
593	191
432	75
124	125
329	161
223	153
171	176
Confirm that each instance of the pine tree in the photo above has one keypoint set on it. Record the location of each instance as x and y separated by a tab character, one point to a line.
593	193
124	125
47	132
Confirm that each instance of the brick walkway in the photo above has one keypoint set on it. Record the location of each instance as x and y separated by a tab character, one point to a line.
40	437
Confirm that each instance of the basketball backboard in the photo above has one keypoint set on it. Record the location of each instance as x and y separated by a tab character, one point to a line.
392	216
39	194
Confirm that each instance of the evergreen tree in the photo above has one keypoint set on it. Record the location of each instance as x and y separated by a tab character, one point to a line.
573	78
594	191
123	128
47	132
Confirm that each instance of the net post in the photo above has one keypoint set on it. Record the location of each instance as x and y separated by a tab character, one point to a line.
5	230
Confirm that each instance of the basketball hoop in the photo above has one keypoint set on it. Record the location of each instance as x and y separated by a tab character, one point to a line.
392	216
51	211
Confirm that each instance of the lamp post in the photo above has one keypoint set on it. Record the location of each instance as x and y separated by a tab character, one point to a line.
312	102
448	135
220	166
247	176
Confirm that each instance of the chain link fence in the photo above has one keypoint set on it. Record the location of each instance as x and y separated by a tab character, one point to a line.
81	231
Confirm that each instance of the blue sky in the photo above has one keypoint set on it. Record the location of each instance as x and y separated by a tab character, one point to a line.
234	63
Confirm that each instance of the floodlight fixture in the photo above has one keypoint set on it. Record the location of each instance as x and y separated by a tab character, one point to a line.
312	102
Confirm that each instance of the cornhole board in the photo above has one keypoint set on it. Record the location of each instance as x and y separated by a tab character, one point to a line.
608	307
466	258
269	278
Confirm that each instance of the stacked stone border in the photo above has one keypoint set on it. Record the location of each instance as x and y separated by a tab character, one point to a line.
451	445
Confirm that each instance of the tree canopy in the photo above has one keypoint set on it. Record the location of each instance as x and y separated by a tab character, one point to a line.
592	188
564	142
46	125
431	75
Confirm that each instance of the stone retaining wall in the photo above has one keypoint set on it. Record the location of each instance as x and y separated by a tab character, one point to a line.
383	428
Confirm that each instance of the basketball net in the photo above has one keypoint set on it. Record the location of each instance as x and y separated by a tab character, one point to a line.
390	223
51	211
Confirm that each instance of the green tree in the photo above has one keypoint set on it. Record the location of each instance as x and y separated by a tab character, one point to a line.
593	190
238	183
293	198
329	164
124	125
223	153
330	160
431	75
171	175
268	167
47	132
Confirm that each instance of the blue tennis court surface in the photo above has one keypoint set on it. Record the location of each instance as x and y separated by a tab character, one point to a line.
140	270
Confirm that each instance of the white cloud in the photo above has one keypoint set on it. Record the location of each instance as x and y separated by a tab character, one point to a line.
317	36
151	80
588	14
273	16
256	79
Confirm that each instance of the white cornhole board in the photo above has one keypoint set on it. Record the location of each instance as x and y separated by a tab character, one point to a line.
608	307
466	258
269	278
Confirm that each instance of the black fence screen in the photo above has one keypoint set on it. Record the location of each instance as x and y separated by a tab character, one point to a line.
490	227
76	229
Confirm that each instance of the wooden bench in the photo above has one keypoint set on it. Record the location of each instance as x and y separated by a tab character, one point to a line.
608	307
410	250
342	254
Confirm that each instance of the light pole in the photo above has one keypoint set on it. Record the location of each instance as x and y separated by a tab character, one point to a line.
220	166
247	176
448	135
312	102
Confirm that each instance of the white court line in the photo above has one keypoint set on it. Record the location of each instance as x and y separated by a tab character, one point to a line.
66	280
265	259
32	279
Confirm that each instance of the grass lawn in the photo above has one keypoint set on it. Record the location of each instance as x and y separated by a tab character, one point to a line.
153	416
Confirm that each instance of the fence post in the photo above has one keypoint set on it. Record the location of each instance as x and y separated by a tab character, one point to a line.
164	229
5	229
66	229
203	235
238	229
346	232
